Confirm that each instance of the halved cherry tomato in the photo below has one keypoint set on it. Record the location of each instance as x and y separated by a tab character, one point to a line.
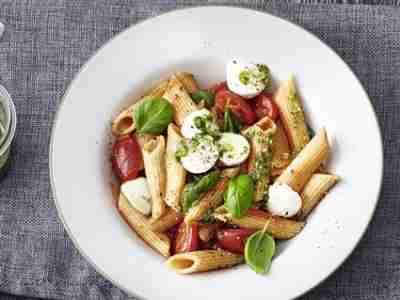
255	212
187	238
127	158
239	107
264	105
219	86
234	240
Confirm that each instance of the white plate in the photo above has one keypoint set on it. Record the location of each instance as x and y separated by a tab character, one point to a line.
200	40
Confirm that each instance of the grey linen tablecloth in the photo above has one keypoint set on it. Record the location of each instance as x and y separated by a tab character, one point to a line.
45	44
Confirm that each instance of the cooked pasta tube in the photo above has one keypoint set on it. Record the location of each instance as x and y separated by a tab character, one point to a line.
154	166
280	228
316	188
259	162
168	220
212	198
280	150
180	100
292	115
201	261
124	123
297	174
139	223
188	81
176	174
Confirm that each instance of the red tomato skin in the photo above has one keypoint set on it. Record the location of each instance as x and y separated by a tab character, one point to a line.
219	86
239	107
126	158
233	240
264	105
187	238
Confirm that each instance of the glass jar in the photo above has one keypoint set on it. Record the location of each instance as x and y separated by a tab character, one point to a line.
8	123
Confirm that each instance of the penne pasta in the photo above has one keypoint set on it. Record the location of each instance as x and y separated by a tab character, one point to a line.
168	220
187	81
259	162
124	123
180	100
201	261
176	174
297	174
316	188
280	228
212	198
280	150
158	241
292	115
154	165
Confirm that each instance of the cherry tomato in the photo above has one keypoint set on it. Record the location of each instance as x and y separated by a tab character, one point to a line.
219	86
255	212
234	240
264	105
127	158
239	107
187	238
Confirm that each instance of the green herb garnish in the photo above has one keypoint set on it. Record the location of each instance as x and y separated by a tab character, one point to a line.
231	122
194	190
259	250
153	116
202	95
239	196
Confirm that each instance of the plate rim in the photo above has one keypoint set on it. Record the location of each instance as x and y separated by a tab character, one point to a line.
55	122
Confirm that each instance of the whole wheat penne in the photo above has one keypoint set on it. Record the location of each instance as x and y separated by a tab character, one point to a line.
201	261
280	228
281	155
188	81
316	188
292	115
260	154
124	123
212	198
154	166
180	100
168	220
297	174
139	223
176	174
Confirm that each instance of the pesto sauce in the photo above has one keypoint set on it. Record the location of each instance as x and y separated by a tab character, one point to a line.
294	107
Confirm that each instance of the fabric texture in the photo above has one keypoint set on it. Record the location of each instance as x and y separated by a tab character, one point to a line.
47	41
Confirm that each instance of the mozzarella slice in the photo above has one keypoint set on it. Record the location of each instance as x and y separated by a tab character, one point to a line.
245	78
138	194
234	147
189	129
283	201
201	156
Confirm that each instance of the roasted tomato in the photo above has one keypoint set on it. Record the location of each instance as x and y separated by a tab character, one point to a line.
127	158
187	238
233	240
264	105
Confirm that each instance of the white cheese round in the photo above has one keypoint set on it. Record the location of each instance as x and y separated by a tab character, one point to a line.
201	156
283	201
234	147
138	194
189	129
243	78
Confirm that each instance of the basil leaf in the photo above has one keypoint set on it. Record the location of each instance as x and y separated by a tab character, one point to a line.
239	196
231	123
194	190
153	115
259	250
202	95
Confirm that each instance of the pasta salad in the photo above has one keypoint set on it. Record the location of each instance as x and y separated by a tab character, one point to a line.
213	177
